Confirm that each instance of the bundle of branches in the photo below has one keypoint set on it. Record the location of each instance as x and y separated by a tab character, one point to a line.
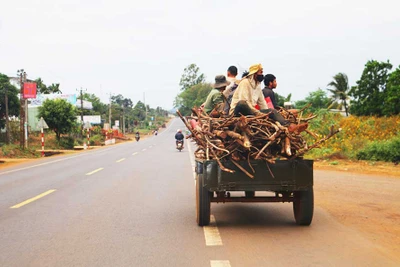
248	137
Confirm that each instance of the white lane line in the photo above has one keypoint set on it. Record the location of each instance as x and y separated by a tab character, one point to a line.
120	160
144	149
51	162
134	153
97	170
211	233
150	146
32	199
220	263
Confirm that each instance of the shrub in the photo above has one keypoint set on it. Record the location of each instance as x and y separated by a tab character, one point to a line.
96	140
387	150
67	142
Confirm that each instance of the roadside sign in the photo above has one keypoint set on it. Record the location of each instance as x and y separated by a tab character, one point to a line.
42	124
87	125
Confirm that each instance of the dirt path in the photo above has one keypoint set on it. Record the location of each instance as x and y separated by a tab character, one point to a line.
369	204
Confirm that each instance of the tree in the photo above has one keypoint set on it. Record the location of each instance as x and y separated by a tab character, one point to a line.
54	88
281	99
139	111
339	92
318	99
59	116
99	108
13	100
194	96
369	94
191	77
392	94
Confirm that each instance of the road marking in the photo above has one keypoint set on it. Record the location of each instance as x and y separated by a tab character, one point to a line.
120	160
54	161
134	153
32	199
90	173
211	233
144	149
150	146
220	264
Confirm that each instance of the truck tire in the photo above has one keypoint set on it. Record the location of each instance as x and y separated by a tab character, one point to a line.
203	202
303	206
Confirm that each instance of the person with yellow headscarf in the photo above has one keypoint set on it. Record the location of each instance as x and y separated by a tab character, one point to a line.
249	93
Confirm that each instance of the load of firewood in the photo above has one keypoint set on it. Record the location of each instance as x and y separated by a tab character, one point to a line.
248	137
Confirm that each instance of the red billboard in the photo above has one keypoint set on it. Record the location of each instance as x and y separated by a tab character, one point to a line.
29	90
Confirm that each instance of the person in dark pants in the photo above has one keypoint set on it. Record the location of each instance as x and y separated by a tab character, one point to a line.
249	93
179	137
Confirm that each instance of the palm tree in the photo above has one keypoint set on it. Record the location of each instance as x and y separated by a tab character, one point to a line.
340	88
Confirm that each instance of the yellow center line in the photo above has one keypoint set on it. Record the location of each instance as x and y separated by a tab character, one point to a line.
32	199
211	233
220	263
120	160
90	173
134	153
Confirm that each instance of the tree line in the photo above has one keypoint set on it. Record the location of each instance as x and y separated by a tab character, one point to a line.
61	115
376	93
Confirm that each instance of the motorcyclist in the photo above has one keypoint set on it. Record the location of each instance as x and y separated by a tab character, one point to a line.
179	137
137	136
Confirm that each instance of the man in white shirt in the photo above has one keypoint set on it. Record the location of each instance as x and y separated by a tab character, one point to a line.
249	93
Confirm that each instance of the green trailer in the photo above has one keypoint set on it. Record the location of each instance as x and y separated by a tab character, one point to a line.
290	180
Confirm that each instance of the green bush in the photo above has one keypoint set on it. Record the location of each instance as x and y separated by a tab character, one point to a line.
96	140
388	150
67	142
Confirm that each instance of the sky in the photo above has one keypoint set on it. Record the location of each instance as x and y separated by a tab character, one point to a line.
139	49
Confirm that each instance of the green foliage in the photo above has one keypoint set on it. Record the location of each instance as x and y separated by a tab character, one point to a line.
96	140
387	150
59	116
54	88
99	108
66	142
340	89
194	96
281	99
191	77
318	99
392	94
13	100
369	94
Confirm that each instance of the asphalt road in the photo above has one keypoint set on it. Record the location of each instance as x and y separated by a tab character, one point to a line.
134	205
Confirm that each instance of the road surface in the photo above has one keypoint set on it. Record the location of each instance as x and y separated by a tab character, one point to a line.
133	204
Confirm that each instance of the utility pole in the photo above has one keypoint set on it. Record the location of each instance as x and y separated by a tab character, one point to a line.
145	107
7	121
81	97
22	79
109	113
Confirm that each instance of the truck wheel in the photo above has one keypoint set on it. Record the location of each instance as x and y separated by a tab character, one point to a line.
303	206
249	194
203	202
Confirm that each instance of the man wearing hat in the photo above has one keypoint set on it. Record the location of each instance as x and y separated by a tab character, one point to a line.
249	93
215	97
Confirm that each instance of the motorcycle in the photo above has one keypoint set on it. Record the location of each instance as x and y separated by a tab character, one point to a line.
137	137
179	145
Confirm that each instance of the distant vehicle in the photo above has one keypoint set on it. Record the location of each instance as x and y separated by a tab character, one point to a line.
137	136
179	145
